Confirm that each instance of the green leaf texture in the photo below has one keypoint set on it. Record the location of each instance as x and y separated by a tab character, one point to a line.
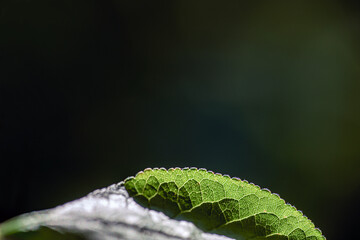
220	204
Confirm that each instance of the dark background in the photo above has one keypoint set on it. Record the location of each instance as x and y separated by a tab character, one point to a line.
94	91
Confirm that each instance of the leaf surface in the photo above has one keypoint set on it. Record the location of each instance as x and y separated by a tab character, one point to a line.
220	204
105	214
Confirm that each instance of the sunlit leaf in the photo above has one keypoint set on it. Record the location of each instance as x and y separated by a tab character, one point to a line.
220	204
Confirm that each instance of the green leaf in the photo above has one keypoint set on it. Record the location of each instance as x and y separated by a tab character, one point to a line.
220	204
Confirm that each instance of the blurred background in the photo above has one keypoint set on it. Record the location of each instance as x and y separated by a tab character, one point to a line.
94	91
